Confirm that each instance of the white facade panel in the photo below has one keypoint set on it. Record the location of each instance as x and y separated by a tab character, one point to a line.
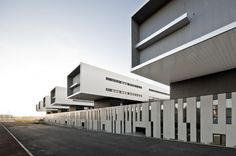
113	119
206	119
231	129
156	118
221	126
97	83
181	124
168	119
60	96
191	117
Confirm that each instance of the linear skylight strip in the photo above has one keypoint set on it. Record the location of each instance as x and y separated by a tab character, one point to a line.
164	31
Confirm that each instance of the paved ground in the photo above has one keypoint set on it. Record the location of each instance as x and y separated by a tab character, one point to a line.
8	146
51	140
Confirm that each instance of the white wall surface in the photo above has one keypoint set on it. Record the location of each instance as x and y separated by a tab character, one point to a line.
61	99
93	81
121	124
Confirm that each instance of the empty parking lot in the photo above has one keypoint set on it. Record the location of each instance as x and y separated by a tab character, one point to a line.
51	140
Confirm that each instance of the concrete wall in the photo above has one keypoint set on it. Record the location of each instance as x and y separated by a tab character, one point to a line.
40	107
120	120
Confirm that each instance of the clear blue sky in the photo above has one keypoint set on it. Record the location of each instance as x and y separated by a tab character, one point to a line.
41	41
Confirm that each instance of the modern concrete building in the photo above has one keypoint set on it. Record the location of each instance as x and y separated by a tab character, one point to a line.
37	107
58	97
53	109
45	106
40	107
190	45
186	44
109	89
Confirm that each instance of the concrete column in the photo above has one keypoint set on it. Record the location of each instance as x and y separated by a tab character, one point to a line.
220	128
206	119
231	129
191	117
168	120
156	118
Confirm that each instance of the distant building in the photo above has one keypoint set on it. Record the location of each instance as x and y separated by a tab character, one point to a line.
187	44
190	45
53	109
106	88
59	98
39	107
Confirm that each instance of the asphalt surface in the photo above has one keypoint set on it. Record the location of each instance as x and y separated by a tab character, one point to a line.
8	145
51	140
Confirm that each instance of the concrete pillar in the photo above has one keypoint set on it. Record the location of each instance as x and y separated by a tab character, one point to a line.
168	120
206	119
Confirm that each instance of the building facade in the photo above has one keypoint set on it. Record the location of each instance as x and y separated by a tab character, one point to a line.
186	44
59	98
53	109
108	88
189	119
189	45
40	107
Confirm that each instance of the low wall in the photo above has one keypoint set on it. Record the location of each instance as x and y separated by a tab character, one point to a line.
189	119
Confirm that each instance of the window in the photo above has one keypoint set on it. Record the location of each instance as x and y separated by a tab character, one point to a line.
44	102
124	113
149	112
106	115
99	115
162	108
128	114
176	119
122	82
184	110
123	92
155	91
188	128
228	109
132	126
215	110
132	110
136	113
140	114
219	139
198	117
96	115
116	115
